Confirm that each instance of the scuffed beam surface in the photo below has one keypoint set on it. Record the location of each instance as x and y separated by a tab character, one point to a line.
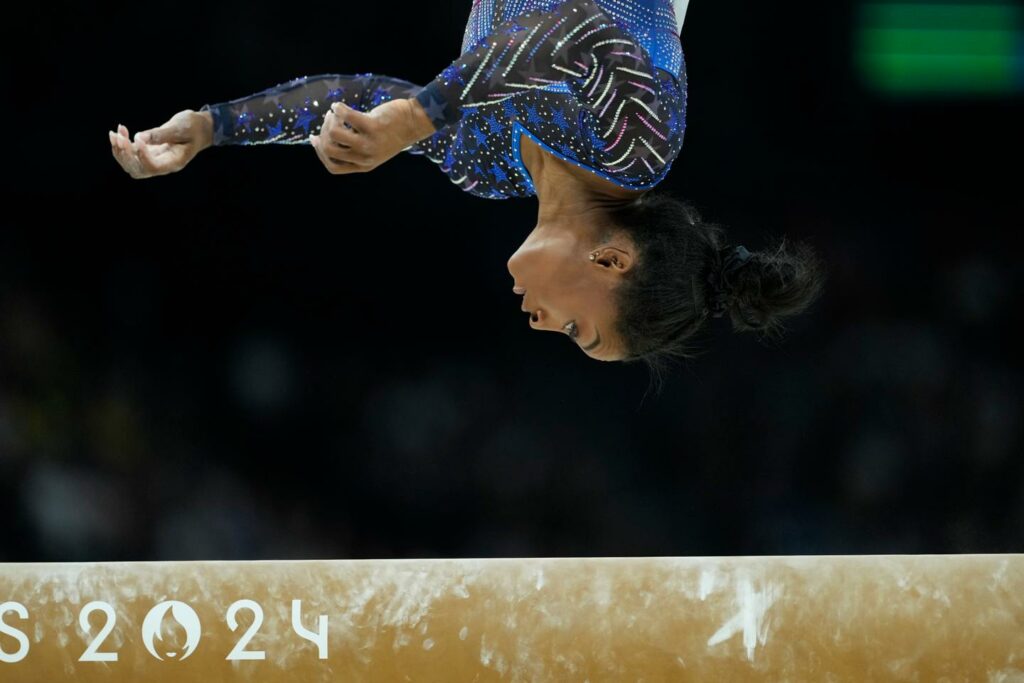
831	618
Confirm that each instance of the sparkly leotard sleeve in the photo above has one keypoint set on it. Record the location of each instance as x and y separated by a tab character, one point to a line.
288	113
566	73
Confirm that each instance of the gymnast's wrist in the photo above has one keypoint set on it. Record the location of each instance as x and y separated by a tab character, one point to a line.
204	124
422	126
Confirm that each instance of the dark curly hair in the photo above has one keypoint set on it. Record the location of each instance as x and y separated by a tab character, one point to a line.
666	301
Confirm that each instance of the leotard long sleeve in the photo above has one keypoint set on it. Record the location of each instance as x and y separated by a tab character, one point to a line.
591	83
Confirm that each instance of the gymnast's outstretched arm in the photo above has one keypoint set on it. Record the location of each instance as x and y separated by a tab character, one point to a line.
286	113
289	112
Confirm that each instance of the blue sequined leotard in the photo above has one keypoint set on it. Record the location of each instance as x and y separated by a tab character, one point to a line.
598	83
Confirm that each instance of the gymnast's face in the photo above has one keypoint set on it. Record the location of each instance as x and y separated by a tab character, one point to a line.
565	291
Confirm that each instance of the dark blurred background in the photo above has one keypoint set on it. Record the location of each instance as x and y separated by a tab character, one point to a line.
254	359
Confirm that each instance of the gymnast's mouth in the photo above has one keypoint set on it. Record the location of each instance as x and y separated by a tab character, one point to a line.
523	307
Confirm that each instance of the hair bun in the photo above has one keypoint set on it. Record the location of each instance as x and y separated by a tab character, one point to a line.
775	284
721	277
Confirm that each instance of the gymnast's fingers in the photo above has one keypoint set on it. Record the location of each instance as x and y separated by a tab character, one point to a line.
344	153
123	156
336	167
357	152
336	130
361	121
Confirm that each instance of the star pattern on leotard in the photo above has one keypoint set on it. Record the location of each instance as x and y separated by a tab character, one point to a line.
244	119
435	109
558	118
275	130
478	135
304	120
335	89
494	126
273	97
452	73
379	96
460	141
332	84
508	108
496	78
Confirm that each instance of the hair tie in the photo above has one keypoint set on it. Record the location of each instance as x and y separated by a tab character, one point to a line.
721	279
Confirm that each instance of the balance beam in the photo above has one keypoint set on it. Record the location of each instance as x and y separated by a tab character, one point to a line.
829	618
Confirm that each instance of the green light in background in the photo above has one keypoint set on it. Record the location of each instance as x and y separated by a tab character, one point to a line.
928	48
980	15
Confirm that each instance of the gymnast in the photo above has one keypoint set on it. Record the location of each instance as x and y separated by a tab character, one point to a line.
580	103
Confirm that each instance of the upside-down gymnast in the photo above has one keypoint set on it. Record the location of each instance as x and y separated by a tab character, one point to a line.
581	103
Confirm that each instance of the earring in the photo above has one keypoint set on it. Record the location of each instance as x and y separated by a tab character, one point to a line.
593	257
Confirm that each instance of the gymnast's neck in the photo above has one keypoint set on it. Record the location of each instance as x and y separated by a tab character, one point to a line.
565	190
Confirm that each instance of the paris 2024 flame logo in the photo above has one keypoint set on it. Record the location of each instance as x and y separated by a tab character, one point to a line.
181	613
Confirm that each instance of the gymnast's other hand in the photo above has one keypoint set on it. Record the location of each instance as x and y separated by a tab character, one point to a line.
163	150
352	141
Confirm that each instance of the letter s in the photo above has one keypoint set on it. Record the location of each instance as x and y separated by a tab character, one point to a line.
22	639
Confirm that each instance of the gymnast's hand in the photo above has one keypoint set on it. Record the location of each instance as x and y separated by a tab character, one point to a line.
163	150
352	141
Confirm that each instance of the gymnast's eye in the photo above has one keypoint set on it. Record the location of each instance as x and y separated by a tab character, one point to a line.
572	329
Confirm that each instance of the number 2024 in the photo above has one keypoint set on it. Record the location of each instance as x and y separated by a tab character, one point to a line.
182	613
